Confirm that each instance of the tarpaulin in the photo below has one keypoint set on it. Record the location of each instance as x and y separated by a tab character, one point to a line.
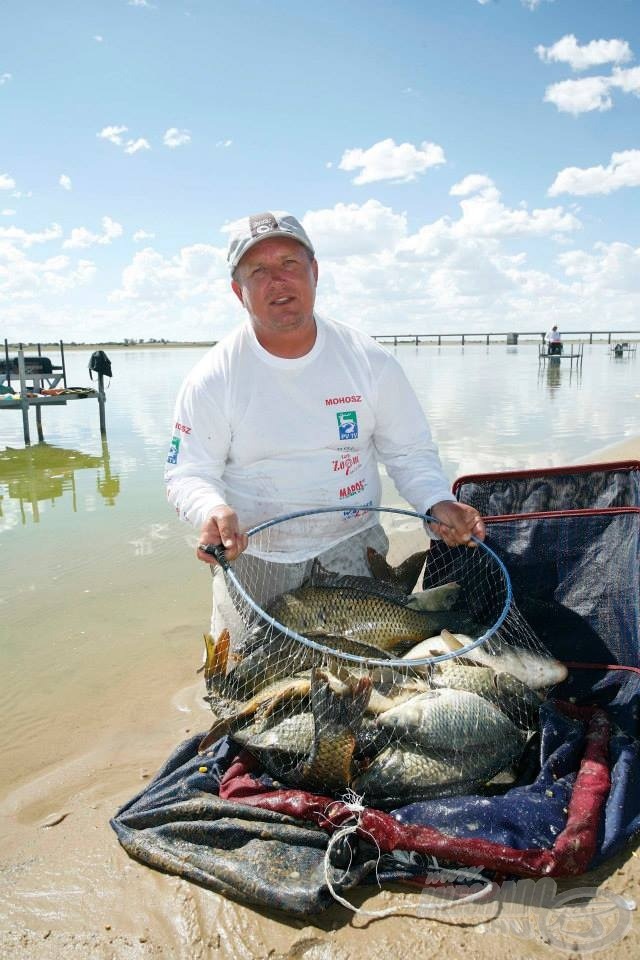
218	820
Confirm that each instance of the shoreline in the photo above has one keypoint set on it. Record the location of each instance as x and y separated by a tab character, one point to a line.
72	893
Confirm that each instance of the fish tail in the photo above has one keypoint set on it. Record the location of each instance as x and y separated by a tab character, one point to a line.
405	576
217	656
337	718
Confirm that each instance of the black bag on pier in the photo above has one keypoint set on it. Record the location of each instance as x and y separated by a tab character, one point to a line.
99	363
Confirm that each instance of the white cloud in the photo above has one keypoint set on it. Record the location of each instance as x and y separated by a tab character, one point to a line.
65	181
140	235
22	279
4	78
8	213
627	80
134	146
622	171
6	182
140	3
354	230
470	184
592	54
114	135
533	4
387	160
176	138
592	93
224	143
81	237
98	38
612	267
580	96
196	271
16	235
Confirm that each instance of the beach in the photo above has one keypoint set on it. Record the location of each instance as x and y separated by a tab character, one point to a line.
71	892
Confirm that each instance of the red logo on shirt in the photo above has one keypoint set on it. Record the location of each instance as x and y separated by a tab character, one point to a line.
182	427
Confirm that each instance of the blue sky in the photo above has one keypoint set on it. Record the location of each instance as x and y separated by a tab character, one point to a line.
461	165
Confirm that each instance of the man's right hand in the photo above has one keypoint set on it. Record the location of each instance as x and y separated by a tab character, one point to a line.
222	527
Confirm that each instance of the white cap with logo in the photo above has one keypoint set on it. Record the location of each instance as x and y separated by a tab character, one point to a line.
260	226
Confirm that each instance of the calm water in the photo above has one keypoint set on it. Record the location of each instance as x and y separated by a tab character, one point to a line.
97	573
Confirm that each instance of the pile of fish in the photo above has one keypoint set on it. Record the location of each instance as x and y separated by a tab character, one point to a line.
319	720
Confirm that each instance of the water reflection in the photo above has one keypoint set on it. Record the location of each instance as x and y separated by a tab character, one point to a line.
554	374
45	472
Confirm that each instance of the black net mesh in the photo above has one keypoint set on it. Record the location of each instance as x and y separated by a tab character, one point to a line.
570	488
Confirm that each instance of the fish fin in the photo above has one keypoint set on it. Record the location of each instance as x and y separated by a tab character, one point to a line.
452	641
405	576
217	654
320	575
219	728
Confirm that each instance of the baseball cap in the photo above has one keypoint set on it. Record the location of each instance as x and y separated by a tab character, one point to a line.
260	226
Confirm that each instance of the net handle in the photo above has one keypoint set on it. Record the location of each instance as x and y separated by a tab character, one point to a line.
218	553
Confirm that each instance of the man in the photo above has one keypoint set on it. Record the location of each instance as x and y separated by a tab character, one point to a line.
292	411
554	341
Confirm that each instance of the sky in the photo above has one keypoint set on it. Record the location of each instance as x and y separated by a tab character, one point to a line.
460	165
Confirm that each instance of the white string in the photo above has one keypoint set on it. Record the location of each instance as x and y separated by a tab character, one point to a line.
353	803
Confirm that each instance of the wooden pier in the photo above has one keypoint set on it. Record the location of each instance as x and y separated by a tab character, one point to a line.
35	381
511	339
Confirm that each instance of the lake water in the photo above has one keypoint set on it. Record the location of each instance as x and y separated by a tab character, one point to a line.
98	578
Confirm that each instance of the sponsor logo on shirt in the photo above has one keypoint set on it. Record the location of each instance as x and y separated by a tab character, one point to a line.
347	463
334	401
172	456
182	427
347	425
352	489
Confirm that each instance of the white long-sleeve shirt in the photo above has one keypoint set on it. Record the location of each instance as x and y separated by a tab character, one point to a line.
270	436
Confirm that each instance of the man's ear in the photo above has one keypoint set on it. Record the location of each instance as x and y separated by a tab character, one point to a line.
314	268
237	289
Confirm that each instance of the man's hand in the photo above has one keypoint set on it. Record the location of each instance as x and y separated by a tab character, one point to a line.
457	523
222	527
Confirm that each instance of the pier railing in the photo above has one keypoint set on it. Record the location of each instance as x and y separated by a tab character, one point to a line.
585	336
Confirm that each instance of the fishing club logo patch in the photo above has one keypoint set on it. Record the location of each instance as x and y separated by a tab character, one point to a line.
172	456
347	425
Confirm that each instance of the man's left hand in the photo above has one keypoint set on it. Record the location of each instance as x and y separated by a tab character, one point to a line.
457	523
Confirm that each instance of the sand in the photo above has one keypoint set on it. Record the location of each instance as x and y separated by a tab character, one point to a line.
70	891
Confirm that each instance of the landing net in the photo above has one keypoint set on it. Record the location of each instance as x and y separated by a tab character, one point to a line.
352	670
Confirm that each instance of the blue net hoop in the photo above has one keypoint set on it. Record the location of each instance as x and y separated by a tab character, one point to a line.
479	555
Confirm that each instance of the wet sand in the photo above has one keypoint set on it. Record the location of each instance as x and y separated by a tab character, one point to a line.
70	891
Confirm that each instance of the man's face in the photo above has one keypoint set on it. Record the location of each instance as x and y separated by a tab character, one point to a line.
276	282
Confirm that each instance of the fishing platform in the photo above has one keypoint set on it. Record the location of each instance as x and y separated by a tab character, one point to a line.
37	381
554	356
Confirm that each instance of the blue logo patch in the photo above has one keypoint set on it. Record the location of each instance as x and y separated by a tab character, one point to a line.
172	456
347	425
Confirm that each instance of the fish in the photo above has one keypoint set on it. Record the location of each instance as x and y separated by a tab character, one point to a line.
367	618
535	669
315	749
405	576
515	699
442	719
403	773
444	597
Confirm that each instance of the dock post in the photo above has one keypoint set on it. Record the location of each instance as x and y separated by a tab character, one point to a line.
101	403
24	402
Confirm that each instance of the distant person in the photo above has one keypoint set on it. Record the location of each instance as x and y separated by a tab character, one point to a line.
554	341
293	411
